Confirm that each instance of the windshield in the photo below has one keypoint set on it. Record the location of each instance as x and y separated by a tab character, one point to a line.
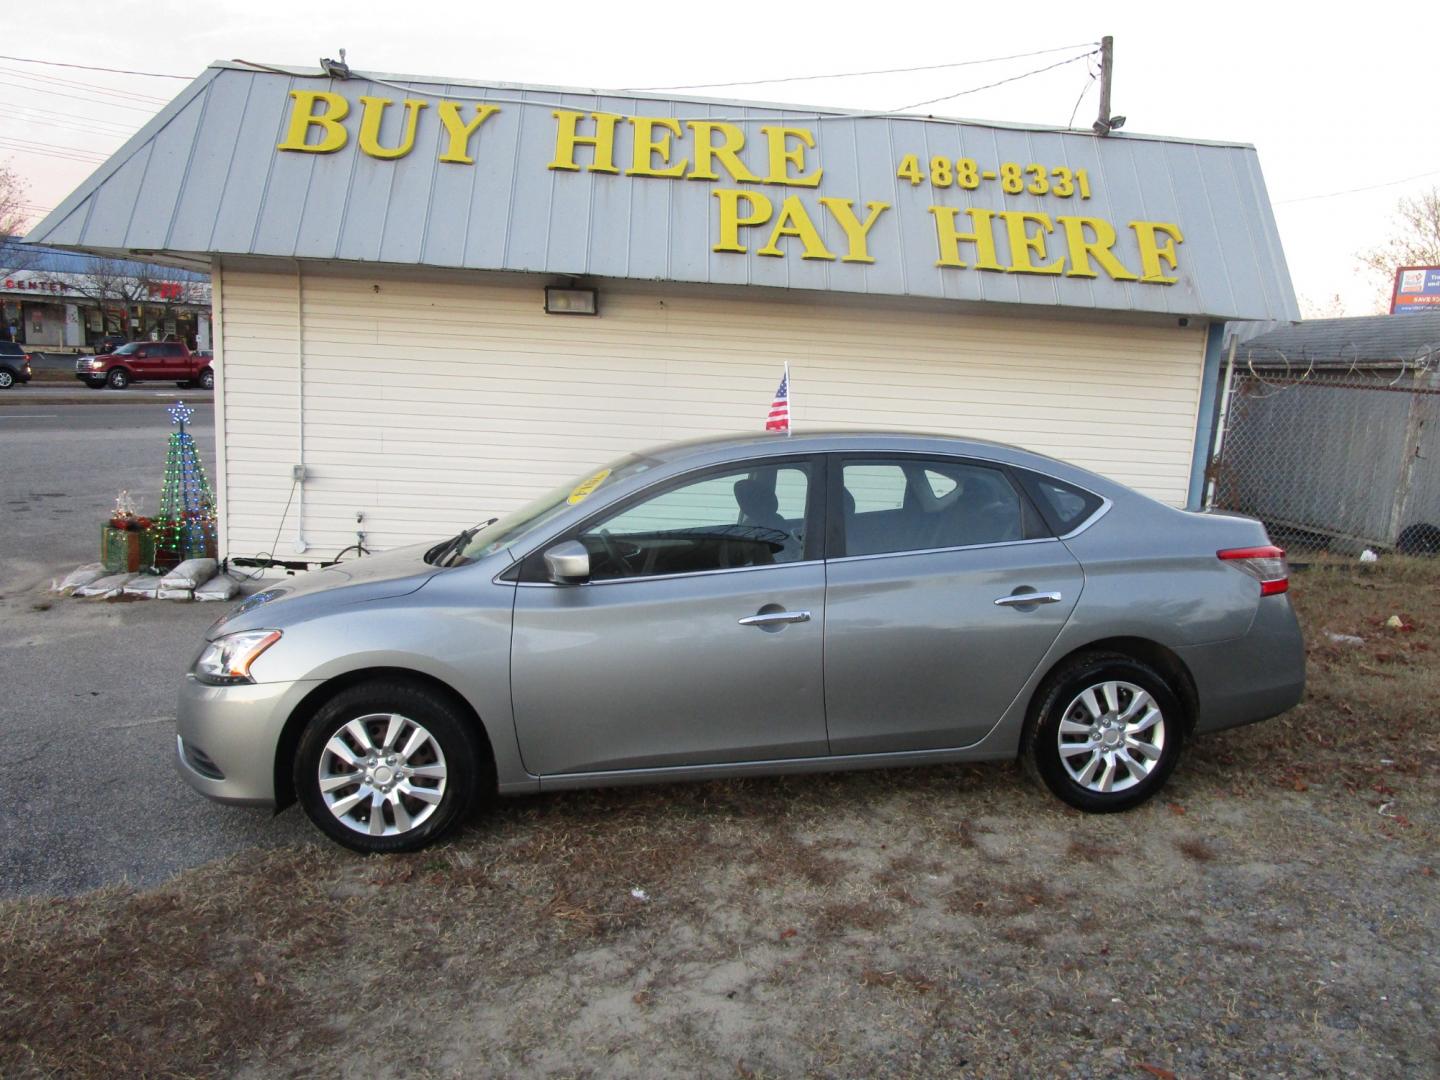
511	527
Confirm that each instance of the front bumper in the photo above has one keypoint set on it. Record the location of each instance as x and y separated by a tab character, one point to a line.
226	737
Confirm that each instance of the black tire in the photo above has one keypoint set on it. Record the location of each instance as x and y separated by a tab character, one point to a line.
7	380
468	769
1059	699
118	379
206	380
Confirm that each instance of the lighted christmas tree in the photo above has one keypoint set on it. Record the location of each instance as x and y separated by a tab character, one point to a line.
185	526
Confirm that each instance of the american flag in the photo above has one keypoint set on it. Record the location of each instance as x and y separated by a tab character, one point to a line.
779	418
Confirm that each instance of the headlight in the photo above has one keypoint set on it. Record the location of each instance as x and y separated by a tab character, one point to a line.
97	364
226	660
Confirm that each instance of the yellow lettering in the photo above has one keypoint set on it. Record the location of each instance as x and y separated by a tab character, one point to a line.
842	210
1151	251
730	220
1081	248
370	127
951	238
795	221
567	139
460	131
303	117
781	157
728	151
1023	244
647	146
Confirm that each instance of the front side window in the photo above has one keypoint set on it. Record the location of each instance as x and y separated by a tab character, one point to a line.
916	504
753	516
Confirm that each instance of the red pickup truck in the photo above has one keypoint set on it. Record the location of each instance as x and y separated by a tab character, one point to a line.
147	361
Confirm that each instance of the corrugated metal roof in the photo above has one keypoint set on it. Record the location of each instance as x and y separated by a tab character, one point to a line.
205	177
1368	340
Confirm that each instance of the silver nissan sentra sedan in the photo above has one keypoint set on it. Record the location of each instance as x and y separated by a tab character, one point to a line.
749	605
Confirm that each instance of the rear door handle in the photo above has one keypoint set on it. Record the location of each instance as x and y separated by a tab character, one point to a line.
771	618
1020	599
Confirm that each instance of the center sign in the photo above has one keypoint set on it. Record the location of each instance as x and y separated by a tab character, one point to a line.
1054	238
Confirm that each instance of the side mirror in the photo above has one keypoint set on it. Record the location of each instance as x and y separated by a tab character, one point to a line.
568	563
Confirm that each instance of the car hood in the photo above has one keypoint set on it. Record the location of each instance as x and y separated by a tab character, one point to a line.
375	577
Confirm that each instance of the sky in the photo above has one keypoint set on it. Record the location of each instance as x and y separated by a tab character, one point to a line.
1339	100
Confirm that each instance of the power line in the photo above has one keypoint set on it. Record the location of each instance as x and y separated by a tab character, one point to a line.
89	67
52	117
998	82
73	84
858	74
90	100
1353	190
69	153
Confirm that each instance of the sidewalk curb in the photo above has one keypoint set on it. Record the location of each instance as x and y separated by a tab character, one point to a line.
100	397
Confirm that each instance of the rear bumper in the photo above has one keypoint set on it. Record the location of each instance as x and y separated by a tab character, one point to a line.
1252	677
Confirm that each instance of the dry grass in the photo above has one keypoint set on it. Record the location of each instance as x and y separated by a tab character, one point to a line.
1277	912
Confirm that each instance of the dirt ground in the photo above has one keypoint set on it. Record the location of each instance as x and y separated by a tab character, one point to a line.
1276	911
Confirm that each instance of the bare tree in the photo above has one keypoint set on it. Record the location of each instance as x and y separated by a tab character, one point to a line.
110	286
1415	242
12	222
170	292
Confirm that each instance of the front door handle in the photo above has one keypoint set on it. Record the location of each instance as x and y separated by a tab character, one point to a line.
771	618
1020	599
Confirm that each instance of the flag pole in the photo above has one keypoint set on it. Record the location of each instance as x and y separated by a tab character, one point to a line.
789	401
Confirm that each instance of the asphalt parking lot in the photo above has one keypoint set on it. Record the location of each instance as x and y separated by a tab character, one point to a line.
91	797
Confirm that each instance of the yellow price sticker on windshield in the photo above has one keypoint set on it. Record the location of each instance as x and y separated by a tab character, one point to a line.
585	487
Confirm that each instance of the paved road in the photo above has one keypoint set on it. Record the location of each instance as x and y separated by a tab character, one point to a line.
88	793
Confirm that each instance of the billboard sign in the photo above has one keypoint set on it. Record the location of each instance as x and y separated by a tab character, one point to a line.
1417	288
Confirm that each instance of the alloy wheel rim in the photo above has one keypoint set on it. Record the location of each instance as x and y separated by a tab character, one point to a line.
6	379
382	774
1111	736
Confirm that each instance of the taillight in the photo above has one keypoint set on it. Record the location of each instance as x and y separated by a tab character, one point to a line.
1266	565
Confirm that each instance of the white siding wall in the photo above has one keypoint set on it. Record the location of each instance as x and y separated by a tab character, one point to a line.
432	404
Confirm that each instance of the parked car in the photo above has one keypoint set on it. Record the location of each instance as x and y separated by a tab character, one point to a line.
750	605
146	361
109	343
14	364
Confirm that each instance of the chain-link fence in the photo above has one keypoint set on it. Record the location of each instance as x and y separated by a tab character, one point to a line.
1333	460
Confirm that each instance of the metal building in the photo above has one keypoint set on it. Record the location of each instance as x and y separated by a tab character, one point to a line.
381	248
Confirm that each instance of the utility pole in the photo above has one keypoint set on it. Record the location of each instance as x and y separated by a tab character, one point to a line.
1106	123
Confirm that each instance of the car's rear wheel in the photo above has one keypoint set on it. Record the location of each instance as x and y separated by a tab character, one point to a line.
1106	732
207	379
6	380
389	766
118	379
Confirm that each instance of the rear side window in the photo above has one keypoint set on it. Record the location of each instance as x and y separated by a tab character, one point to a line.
915	504
1065	506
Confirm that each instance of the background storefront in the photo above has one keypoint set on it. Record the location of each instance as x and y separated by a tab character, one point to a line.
380	286
62	301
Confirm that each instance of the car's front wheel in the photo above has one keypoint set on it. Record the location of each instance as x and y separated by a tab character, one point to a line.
1106	732
389	766
118	379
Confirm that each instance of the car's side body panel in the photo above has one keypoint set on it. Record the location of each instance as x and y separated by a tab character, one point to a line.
918	656
647	672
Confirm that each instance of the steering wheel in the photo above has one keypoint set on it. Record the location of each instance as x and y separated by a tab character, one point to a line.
617	558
